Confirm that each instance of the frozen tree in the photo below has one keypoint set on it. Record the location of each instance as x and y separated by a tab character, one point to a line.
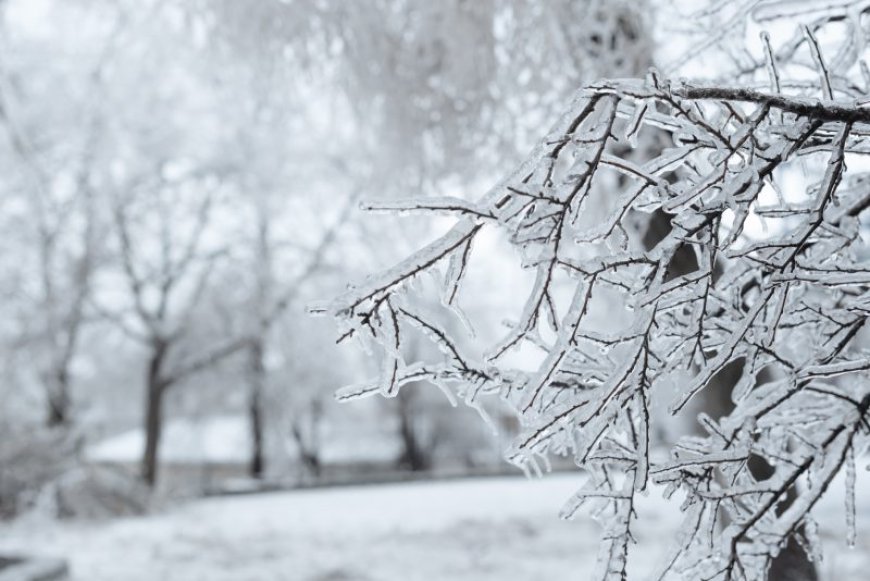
751	176
269	301
169	192
296	397
164	287
285	237
54	177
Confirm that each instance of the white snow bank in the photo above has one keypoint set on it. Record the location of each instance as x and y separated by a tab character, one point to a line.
472	530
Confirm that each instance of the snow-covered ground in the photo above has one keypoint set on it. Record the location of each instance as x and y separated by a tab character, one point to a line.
503	529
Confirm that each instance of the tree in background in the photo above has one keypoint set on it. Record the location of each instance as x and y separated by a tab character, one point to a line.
285	241
753	179
166	186
412	110
168	190
441	96
53	177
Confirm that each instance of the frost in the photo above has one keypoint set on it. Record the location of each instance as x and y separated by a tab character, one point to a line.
664	232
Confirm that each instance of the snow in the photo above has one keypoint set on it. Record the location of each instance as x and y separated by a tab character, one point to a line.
470	530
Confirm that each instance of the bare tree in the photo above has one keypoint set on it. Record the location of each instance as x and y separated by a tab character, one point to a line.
65	262
65	223
166	266
271	298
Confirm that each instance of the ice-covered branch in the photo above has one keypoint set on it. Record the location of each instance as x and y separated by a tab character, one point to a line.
737	277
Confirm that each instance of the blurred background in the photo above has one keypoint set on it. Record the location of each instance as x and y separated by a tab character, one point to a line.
179	180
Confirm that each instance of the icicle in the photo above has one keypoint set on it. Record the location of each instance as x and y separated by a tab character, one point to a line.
545	460
392	351
632	129
865	74
485	416
811	542
448	393
459	313
456	267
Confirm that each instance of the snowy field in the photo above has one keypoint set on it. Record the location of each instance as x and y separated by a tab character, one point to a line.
503	529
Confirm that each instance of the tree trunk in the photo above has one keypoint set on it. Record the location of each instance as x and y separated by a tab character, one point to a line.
156	389
58	400
309	445
256	383
415	455
309	455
